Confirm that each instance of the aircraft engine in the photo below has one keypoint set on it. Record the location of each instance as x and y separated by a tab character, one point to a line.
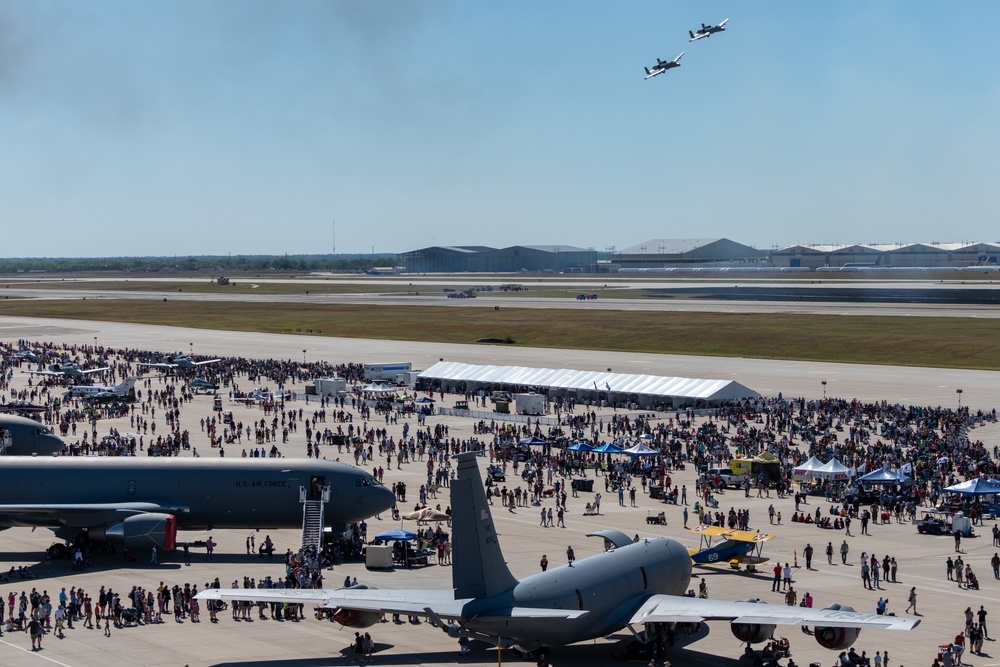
836	639
141	532
355	618
752	633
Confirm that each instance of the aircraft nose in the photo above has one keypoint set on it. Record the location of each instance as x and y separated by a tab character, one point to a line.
379	499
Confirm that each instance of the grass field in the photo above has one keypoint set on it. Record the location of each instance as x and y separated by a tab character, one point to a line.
940	342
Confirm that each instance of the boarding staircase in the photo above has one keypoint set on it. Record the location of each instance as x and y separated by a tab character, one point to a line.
312	518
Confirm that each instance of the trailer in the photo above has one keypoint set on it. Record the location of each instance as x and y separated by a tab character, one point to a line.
529	404
331	386
386	372
407	378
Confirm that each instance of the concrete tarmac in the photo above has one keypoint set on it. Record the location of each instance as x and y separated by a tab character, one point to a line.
311	643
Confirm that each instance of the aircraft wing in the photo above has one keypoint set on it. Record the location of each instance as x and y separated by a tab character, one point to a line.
655	72
749	536
441	602
77	515
677	609
47	373
700	35
94	370
161	365
433	603
202	363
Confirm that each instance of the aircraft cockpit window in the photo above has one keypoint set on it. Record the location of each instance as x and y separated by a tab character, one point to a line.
362	482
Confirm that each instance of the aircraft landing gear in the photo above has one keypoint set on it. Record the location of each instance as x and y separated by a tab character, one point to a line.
58	551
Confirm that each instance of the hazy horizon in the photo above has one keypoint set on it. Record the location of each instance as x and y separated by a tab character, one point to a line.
247	127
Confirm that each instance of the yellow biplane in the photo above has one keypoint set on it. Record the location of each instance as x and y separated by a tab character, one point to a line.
736	547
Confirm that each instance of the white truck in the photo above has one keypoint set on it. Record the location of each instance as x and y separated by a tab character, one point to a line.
726	477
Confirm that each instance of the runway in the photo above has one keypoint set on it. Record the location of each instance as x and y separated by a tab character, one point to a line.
911	385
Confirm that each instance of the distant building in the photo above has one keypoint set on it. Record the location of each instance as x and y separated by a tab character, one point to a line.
656	253
888	256
441	259
482	259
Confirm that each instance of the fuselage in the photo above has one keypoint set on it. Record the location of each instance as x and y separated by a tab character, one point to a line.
610	586
213	493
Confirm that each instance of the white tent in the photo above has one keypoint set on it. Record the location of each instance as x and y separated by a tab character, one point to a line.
834	470
642	389
377	388
806	470
640	449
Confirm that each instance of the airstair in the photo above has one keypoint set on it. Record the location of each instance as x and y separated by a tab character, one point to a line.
312	518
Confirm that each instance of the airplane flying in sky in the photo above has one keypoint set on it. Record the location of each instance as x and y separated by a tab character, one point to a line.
139	502
706	31
632	583
124	389
68	371
662	66
175	361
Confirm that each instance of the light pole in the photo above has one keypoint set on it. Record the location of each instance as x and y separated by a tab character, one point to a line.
959	392
303	357
190	349
824	388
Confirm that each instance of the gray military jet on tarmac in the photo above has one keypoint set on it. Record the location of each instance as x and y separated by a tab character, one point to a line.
175	361
662	66
141	502
632	583
201	384
69	371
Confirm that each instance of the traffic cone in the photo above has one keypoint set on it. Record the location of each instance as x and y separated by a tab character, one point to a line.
795	557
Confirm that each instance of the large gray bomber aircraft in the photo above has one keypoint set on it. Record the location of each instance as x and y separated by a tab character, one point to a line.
142	502
633	583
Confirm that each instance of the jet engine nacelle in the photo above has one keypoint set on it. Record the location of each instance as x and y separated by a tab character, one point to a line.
752	633
836	639
355	618
142	532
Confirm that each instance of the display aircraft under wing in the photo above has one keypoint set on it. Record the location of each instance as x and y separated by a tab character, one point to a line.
175	361
662	66
124	390
707	31
632	583
140	502
69	370
736	547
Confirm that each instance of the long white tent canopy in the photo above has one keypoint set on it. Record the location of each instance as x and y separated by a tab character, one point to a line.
642	389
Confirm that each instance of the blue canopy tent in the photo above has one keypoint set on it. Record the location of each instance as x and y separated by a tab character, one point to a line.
974	487
883	476
533	440
608	448
395	535
580	447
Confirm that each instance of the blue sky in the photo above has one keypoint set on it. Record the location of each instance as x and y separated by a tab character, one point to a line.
149	128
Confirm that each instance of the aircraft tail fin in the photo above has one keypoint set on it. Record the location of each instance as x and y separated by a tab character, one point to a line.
647	69
691	33
479	569
127	385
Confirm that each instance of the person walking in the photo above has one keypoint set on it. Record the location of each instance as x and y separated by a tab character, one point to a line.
995	562
570	555
958	541
912	600
843	552
544	563
152	557
829	553
808	553
982	621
